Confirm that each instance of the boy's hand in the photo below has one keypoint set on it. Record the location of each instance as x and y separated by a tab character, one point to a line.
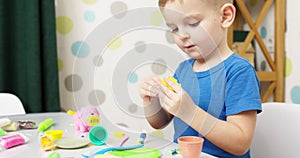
148	90
171	79
176	101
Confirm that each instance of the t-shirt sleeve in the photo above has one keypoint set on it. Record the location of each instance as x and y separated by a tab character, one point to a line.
242	91
179	75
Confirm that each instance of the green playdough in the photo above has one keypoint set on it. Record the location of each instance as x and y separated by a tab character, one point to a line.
2	132
137	153
54	155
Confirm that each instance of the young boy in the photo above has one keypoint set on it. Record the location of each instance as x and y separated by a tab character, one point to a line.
219	94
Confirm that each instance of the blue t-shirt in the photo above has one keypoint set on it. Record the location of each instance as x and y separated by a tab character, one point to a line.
229	88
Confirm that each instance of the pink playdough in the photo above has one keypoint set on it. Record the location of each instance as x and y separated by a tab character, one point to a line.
81	118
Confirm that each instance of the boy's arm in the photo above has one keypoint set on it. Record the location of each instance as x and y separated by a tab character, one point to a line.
155	114
157	117
234	135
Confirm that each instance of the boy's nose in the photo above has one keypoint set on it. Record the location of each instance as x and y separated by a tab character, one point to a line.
184	35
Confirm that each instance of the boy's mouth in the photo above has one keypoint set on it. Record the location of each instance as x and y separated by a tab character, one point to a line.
189	46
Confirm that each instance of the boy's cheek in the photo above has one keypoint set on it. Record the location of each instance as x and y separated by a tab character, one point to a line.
178	41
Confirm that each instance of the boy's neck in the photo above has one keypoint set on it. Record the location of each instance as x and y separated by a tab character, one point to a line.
212	60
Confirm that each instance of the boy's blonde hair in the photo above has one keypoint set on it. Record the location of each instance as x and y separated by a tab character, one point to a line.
162	3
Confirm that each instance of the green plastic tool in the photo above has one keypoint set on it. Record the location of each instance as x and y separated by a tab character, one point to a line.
137	153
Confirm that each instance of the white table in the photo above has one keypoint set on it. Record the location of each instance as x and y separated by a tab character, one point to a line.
63	121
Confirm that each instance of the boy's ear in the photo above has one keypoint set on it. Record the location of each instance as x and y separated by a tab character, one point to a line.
227	14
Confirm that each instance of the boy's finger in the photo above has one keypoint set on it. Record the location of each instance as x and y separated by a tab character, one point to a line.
175	86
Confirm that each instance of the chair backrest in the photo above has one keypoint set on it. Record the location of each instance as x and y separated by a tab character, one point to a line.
10	105
277	133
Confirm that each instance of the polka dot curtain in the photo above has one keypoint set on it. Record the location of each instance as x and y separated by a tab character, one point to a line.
292	76
106	48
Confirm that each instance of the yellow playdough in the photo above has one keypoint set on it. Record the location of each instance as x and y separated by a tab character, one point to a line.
171	79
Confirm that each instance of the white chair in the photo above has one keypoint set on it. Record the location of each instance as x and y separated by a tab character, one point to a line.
277	133
10	105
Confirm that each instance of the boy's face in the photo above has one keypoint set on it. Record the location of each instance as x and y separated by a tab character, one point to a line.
196	26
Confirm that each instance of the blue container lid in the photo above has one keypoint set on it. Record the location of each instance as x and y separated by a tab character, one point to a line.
98	135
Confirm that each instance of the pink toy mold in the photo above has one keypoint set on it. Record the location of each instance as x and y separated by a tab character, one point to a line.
86	118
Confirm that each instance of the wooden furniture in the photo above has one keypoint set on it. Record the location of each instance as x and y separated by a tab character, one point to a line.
275	77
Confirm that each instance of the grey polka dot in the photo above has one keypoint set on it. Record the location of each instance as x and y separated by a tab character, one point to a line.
98	61
170	37
263	65
96	97
118	9
132	108
123	125
159	67
140	46
73	82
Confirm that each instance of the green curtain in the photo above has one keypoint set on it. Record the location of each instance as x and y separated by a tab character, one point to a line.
28	53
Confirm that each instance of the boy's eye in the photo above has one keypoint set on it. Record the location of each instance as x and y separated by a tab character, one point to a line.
174	30
194	24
